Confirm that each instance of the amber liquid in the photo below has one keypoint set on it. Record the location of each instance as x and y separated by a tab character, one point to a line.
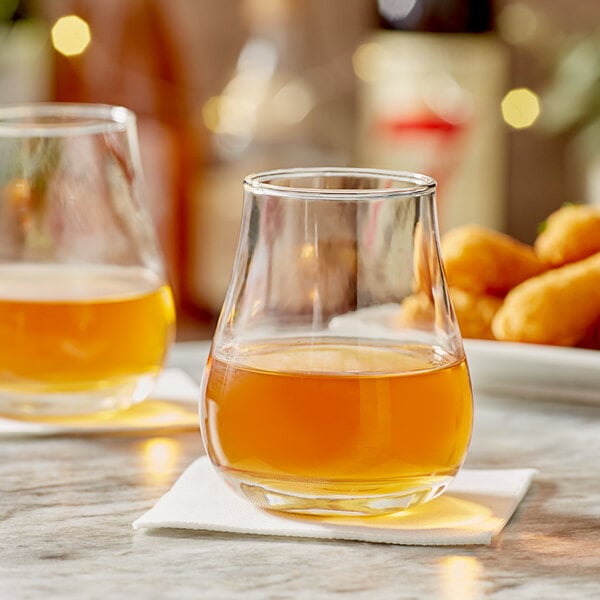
334	420
68	331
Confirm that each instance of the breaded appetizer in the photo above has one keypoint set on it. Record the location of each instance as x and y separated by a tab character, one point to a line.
560	307
474	313
416	311
570	234
483	261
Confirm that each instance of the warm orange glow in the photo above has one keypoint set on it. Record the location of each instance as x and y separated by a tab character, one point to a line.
460	578
308	251
160	457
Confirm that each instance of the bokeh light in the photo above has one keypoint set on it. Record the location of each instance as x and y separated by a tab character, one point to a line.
518	23
520	108
292	102
71	35
365	60
210	113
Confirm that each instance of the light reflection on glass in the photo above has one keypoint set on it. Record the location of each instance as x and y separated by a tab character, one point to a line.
307	251
460	578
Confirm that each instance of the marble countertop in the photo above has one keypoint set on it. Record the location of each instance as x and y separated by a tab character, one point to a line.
67	504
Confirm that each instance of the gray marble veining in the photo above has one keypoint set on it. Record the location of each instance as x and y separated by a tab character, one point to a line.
67	504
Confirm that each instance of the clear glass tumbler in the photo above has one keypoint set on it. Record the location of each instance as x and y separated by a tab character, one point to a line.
86	312
337	380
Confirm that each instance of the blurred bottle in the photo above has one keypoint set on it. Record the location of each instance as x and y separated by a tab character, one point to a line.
25	57
265	117
133	59
431	80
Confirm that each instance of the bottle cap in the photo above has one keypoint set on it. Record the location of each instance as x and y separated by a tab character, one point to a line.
439	16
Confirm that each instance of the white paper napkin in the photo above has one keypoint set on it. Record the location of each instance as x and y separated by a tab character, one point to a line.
172	405
473	510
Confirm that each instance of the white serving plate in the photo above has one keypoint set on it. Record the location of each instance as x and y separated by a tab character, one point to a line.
191	357
534	371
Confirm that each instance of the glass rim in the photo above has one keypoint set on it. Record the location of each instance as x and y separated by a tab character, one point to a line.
418	184
62	118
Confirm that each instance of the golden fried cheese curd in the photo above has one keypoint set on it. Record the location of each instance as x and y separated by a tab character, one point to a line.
474	313
484	261
570	234
560	307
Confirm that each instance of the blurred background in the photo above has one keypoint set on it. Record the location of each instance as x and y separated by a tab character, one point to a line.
500	101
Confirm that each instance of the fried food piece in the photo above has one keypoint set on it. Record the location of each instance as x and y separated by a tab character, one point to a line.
416	311
559	307
484	261
572	233
474	313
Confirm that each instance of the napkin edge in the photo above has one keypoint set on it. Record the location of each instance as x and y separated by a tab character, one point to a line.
326	534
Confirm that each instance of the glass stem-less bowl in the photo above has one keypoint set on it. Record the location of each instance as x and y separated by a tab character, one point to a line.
322	394
86	312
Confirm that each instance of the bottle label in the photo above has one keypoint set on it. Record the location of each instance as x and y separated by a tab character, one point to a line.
431	104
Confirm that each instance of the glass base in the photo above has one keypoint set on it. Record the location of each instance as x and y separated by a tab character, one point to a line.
65	405
341	498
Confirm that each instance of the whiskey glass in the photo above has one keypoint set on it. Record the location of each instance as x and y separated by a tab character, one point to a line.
86	311
326	391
